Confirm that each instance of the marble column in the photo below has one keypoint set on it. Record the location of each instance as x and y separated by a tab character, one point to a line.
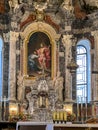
12	66
94	76
95	67
68	83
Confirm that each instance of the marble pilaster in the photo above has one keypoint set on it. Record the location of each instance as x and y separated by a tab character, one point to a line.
12	66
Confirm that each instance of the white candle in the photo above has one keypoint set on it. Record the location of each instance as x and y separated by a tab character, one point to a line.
40	101
46	102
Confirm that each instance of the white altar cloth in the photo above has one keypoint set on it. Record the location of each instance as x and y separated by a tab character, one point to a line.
49	126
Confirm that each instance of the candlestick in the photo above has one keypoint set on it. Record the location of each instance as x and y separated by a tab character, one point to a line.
77	108
86	107
1	108
81	109
46	102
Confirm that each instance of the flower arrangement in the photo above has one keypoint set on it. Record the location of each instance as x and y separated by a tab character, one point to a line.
19	117
71	117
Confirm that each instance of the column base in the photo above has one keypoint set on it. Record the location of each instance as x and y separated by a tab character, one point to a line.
12	100
68	105
69	101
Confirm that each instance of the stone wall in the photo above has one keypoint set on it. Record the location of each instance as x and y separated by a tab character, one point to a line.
92	2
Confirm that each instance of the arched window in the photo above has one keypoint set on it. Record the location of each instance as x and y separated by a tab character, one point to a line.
1	67
83	74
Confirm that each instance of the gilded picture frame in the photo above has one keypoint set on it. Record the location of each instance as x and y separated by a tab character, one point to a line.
38	55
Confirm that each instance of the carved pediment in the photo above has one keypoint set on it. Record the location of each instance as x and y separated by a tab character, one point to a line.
39	16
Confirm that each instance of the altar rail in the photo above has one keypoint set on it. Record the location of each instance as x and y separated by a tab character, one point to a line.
76	127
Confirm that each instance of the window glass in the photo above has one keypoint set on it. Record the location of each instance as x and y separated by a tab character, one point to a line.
83	72
1	69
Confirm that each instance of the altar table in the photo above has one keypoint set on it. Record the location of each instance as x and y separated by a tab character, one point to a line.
34	126
51	126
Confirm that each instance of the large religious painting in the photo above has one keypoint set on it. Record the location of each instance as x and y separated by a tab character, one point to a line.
39	55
